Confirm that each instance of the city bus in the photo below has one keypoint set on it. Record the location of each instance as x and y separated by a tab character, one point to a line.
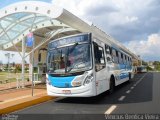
82	65
141	69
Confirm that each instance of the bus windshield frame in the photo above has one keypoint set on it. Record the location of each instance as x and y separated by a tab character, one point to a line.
73	57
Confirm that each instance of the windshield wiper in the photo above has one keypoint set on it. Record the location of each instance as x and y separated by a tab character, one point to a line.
73	47
77	66
66	61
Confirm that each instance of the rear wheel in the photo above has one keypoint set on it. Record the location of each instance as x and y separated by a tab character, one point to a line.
112	85
129	77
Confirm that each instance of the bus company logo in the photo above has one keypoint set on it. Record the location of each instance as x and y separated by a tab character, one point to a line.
66	84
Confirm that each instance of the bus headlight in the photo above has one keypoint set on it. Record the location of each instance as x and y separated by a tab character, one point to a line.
78	81
88	79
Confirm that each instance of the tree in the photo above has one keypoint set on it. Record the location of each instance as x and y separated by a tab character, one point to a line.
157	65
149	68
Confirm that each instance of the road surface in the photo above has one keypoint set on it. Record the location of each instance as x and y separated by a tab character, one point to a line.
139	98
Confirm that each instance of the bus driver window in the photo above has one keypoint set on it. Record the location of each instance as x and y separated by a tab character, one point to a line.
99	57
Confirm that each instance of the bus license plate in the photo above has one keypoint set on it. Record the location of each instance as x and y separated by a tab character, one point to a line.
66	91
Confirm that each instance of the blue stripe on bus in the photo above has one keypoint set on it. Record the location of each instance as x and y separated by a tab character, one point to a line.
62	82
124	75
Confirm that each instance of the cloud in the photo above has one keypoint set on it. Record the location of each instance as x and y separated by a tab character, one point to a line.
131	19
125	20
137	17
148	50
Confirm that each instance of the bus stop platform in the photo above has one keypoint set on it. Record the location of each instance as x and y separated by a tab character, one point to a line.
15	99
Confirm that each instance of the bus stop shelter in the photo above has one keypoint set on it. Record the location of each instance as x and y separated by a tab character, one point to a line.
46	22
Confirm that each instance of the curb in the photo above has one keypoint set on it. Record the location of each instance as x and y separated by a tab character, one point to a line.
25	104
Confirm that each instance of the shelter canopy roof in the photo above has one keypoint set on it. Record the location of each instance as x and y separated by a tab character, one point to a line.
12	26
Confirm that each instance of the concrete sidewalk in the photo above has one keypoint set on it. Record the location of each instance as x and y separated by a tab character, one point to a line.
16	99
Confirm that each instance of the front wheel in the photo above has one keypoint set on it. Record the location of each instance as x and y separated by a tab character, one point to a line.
129	77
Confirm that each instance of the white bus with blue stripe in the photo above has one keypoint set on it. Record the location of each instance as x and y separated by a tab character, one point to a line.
82	66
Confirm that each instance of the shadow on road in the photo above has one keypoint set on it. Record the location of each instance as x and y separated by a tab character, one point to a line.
141	93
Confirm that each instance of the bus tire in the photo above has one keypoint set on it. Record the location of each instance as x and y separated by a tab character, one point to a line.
129	77
111	85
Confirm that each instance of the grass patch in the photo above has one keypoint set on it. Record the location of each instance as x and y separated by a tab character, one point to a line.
11	77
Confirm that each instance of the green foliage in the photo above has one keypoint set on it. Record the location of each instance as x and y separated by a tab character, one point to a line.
157	65
158	68
35	70
144	63
149	68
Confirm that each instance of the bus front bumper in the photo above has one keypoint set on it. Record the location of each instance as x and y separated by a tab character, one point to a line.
82	91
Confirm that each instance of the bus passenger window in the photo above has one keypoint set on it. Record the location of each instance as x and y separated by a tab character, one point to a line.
108	53
108	49
125	59
122	58
115	55
99	57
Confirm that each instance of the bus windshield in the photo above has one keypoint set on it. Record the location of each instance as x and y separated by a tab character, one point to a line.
69	59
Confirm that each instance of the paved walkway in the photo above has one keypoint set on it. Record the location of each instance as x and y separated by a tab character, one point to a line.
15	99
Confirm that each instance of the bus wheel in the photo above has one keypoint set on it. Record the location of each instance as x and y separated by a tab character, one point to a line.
111	85
129	77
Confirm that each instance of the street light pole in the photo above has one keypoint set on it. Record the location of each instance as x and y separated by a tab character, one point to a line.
23	61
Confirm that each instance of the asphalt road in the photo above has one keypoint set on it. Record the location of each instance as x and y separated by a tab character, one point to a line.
139	98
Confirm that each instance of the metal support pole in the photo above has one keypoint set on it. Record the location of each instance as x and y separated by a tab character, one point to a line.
33	69
23	61
8	68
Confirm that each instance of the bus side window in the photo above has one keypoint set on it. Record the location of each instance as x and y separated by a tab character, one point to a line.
122	58
128	61
99	57
108	53
108	49
115	56
125	59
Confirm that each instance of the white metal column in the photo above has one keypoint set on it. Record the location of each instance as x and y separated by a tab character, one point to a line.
23	61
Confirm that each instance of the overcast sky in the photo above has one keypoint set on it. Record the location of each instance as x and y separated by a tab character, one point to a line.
135	23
